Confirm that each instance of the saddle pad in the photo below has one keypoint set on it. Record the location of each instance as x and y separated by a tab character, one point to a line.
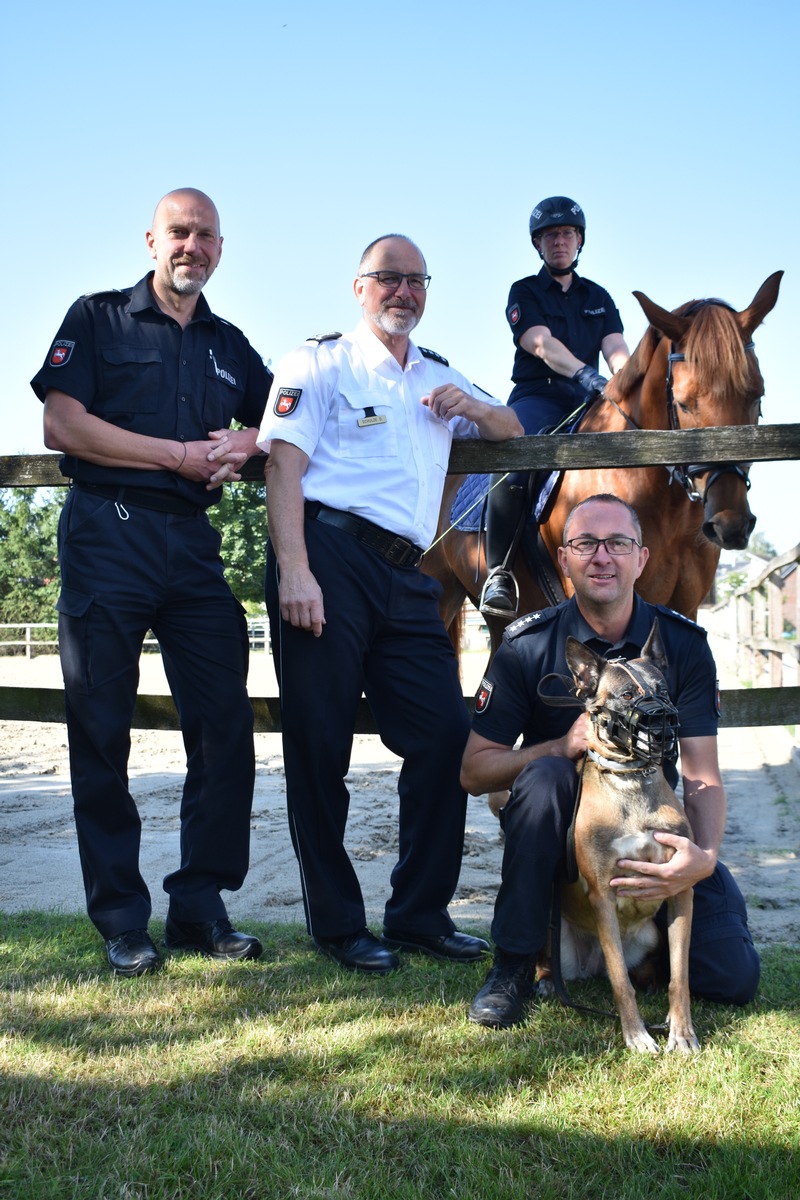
468	512
472	492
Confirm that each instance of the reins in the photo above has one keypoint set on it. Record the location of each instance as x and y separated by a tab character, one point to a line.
573	416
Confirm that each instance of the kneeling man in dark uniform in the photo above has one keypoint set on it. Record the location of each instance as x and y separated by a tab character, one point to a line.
603	556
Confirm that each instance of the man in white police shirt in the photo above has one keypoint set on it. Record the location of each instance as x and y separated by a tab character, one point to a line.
139	390
602	555
359	438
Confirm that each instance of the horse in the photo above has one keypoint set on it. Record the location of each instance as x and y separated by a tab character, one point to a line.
695	367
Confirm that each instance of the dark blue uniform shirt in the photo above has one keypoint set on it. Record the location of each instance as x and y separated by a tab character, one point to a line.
580	318
130	364
508	703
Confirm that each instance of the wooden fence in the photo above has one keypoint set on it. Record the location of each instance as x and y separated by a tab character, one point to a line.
765	443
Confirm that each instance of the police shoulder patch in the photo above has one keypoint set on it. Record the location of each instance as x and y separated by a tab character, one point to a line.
286	401
432	354
513	313
483	695
531	621
61	353
324	337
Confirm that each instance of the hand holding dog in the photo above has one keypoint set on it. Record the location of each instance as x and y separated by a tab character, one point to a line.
657	881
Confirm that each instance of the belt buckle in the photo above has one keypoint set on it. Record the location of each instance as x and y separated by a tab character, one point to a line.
401	553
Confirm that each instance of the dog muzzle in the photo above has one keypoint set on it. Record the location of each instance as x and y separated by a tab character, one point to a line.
647	730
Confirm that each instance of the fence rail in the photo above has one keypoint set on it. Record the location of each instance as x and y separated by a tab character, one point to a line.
764	443
257	629
640	448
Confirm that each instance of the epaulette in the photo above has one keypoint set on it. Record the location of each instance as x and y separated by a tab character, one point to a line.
532	620
103	292
677	616
324	337
436	357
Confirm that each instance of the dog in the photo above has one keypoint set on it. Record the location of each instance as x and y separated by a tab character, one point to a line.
624	799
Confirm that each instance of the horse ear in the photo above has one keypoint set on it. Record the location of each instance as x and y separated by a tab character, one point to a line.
670	324
763	302
654	648
585	666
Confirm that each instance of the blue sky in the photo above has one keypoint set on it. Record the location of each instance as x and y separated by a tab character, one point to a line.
317	127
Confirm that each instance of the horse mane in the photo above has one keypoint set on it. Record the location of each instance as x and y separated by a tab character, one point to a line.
715	351
713	348
629	376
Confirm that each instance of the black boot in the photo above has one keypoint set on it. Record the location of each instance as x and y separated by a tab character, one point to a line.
505	513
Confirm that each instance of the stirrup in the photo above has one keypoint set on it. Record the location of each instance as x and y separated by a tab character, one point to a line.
493	609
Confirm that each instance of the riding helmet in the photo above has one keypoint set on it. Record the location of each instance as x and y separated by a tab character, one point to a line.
557	210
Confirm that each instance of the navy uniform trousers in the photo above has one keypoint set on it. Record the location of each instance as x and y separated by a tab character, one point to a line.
125	570
723	963
383	636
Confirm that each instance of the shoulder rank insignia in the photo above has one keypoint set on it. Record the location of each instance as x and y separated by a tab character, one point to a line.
530	621
436	357
324	337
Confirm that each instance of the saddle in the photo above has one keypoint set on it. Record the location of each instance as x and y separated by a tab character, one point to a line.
468	514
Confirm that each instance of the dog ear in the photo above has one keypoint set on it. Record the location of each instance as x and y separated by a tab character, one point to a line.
585	666
654	648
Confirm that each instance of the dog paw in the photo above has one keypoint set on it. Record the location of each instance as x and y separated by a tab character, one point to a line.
684	1041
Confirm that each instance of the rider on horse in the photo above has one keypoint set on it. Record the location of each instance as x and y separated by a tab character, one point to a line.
561	323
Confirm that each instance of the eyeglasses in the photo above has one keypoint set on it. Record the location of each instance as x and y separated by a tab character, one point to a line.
549	235
393	279
585	547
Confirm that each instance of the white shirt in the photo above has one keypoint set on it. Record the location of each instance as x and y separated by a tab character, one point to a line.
374	449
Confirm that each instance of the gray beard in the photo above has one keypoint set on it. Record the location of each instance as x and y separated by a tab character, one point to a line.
394	323
187	287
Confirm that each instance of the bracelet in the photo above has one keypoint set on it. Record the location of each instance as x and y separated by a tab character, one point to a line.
183	460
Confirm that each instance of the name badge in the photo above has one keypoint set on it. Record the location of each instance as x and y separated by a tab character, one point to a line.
370	418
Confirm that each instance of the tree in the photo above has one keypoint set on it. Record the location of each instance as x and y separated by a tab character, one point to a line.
29	577
241	518
761	545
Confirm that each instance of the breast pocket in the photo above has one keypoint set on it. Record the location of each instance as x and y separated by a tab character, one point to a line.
367	426
131	379
224	390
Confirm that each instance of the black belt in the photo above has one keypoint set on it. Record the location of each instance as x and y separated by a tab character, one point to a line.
396	550
155	499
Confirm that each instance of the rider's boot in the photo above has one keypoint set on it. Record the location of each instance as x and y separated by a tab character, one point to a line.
505	514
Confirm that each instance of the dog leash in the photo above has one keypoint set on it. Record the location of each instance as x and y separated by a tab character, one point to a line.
571	872
557	977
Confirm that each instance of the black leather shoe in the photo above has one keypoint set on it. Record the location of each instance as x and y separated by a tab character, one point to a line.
450	947
509	986
217	939
500	596
132	953
360	951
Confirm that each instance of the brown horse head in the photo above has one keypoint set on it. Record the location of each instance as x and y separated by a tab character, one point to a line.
713	380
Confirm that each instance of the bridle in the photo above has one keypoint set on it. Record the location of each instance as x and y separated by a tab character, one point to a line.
685	475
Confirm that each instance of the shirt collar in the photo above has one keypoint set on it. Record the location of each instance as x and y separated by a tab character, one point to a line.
548	281
635	635
142	299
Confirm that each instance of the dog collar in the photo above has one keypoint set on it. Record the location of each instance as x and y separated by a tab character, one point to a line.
611	764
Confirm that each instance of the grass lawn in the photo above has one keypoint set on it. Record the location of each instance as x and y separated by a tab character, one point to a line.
289	1078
